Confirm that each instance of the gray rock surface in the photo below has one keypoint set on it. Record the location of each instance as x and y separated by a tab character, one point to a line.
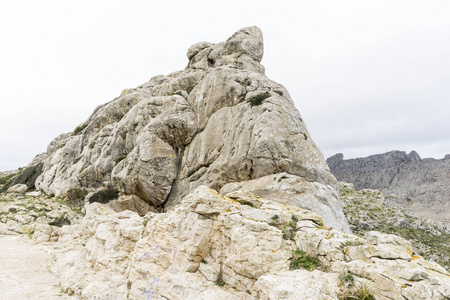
219	121
420	186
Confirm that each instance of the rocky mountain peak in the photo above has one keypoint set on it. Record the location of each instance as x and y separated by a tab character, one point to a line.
243	50
420	186
220	122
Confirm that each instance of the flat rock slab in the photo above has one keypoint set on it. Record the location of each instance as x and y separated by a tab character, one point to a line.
24	273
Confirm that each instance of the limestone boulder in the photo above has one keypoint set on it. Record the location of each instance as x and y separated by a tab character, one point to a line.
18	188
132	203
295	190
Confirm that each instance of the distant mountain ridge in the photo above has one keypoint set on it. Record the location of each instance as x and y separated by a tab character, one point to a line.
421	186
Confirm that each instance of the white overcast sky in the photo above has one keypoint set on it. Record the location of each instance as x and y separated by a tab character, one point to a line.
367	76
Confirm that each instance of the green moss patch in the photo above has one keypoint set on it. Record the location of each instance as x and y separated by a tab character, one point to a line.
258	99
79	129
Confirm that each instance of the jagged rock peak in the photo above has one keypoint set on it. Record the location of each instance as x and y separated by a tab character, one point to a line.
420	186
244	50
220	122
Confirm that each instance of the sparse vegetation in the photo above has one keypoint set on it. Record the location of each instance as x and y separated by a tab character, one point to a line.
353	293
365	211
346	277
178	93
349	291
189	89
258	99
104	196
119	159
350	243
4	179
76	197
76	194
288	229
29	231
302	260
79	129
59	222
248	204
28	177
220	283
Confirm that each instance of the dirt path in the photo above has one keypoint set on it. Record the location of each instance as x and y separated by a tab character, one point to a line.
23	271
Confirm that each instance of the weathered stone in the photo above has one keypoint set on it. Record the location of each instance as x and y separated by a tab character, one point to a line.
18	188
299	284
209	247
294	190
378	238
220	121
34	194
133	203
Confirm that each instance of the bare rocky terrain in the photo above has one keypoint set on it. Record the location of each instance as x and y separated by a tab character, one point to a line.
367	210
419	186
203	184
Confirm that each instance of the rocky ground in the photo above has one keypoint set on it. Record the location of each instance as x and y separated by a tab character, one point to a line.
35	214
24	271
211	246
367	210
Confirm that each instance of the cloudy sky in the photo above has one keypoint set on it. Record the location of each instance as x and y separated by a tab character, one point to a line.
367	76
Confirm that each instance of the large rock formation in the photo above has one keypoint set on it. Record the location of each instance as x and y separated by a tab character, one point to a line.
220	122
421	186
